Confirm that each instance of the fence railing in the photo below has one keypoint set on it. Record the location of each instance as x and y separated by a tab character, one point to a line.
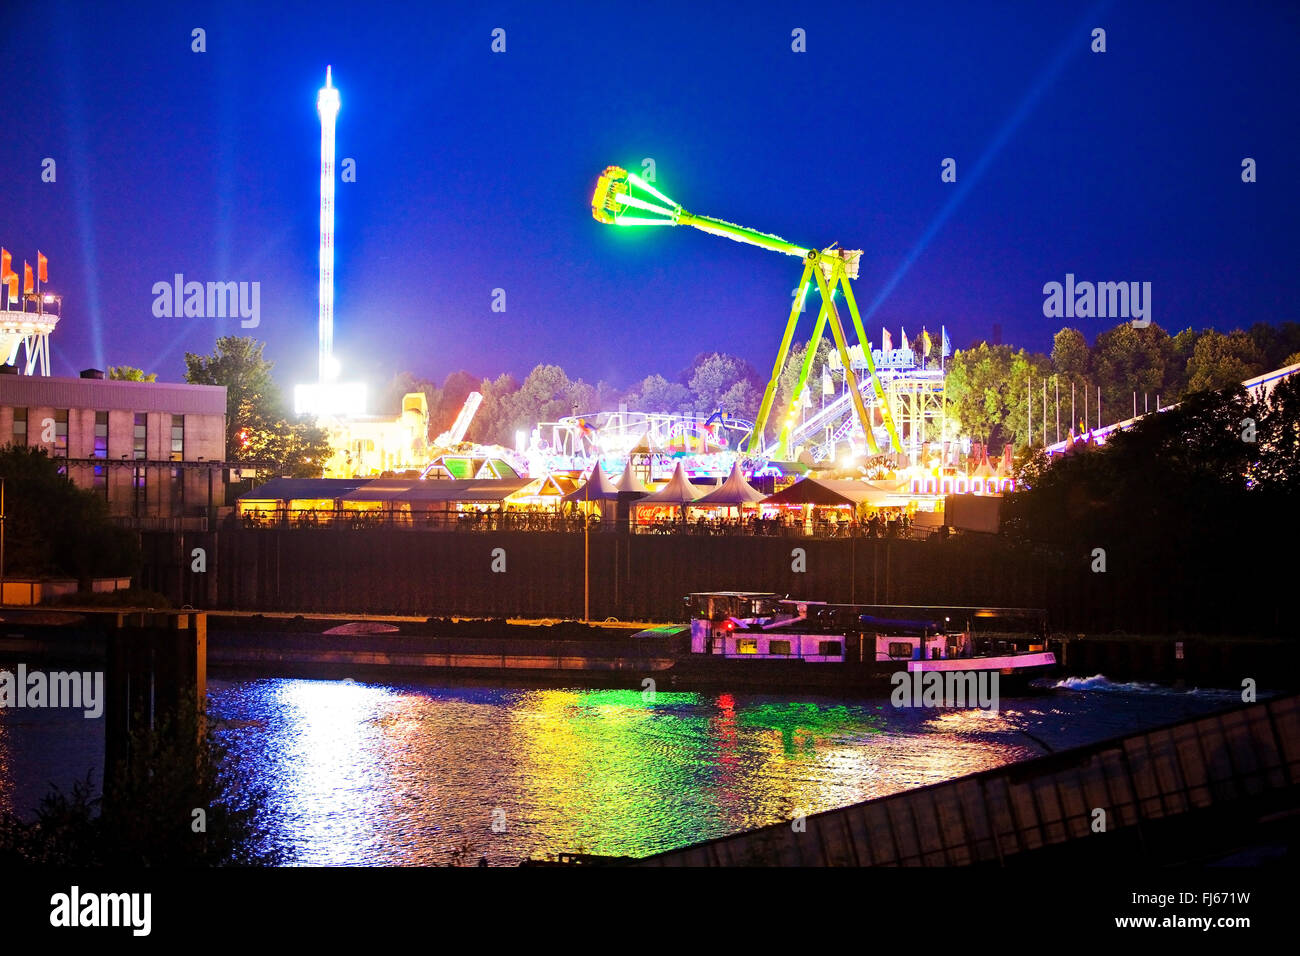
161	523
483	521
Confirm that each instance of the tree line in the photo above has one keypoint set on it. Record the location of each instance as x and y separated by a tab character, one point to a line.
714	381
1182	521
995	392
988	388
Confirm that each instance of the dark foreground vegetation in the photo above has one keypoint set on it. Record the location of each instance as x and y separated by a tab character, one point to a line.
176	801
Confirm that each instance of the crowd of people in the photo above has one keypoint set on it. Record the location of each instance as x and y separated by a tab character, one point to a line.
877	525
829	524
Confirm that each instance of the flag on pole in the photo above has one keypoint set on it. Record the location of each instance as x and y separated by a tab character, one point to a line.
925	342
886	343
42	267
828	384
12	285
902	338
945	348
7	270
28	285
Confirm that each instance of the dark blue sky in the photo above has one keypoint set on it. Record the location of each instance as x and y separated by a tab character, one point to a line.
474	171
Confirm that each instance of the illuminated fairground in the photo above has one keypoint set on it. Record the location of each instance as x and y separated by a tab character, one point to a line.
875	408
867	448
874	451
873	432
877	414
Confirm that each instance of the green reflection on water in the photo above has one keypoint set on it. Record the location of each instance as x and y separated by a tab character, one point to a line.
616	771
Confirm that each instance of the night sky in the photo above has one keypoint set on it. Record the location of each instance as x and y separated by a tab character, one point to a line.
474	172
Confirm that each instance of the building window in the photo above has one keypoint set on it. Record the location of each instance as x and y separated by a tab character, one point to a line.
778	647
101	437
61	433
101	479
141	436
177	490
747	645
830	649
138	489
900	649
178	438
20	426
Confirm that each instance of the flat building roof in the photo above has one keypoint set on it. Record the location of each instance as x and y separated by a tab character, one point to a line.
107	395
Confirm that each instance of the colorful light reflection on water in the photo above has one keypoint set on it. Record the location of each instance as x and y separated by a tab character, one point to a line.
373	773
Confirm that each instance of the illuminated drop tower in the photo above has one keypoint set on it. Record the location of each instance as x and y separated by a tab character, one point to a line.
327	104
327	397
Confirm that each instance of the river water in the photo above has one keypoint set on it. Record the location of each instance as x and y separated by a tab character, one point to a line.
412	773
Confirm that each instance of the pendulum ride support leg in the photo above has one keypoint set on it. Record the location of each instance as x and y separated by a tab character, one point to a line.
837	330
885	414
760	423
783	443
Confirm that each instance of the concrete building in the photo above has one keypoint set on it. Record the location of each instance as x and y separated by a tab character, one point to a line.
155	451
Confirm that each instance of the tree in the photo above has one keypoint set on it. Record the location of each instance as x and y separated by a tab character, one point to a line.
607	397
492	423
1275	342
1137	494
721	382
546	395
451	398
987	390
1070	355
1219	361
1277	435
785	397
257	429
1183	345
654	393
129	373
54	527
1126	360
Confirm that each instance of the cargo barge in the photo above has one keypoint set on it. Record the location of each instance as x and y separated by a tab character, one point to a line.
767	639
